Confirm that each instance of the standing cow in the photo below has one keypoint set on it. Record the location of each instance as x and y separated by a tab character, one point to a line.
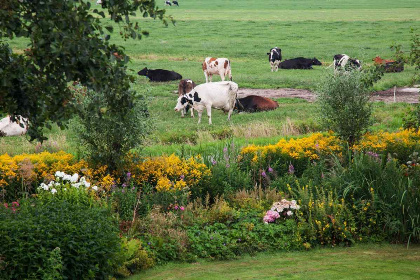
184	87
274	57
219	95
216	66
345	62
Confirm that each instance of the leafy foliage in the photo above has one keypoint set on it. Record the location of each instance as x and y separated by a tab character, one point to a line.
88	239
66	43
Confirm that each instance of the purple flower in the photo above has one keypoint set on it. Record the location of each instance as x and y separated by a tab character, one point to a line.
133	188
124	185
148	243
263	174
291	169
270	169
225	149
128	175
213	162
182	177
227	165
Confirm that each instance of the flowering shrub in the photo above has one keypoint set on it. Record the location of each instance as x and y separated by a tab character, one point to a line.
283	208
171	173
68	187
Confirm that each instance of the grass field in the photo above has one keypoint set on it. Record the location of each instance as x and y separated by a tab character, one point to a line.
360	262
244	31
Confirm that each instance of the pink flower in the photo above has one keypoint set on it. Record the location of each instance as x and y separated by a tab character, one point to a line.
270	169
181	208
176	207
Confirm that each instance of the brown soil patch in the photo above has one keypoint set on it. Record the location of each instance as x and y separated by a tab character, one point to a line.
404	94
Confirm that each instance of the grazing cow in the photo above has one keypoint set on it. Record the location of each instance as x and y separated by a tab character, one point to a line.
216	66
389	65
344	62
274	57
160	75
10	128
168	3
219	95
184	87
255	103
175	3
299	63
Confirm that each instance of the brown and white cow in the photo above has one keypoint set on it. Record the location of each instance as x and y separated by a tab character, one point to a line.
216	66
184	87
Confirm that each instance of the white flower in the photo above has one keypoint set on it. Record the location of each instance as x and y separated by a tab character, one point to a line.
95	188
74	178
51	184
53	191
57	184
65	189
76	185
67	177
289	213
59	174
87	184
43	186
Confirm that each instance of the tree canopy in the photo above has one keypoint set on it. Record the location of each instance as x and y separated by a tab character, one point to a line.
67	43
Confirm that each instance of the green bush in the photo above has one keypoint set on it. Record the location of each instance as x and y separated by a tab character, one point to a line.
87	237
344	104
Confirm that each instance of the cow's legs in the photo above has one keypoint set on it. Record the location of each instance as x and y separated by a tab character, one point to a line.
183	111
192	112
199	115
229	114
207	76
222	75
210	77
208	108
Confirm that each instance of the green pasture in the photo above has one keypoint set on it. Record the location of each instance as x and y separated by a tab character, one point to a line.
244	31
359	262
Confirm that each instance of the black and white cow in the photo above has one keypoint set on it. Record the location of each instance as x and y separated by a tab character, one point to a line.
160	75
345	62
218	95
175	3
299	63
184	87
274	57
168	3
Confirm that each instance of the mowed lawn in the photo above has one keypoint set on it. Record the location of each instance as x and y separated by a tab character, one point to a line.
244	31
361	262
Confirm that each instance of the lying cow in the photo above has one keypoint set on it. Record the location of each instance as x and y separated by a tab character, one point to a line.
220	95
184	87
299	63
175	3
216	66
168	3
274	57
160	75
10	128
345	62
389	65
255	103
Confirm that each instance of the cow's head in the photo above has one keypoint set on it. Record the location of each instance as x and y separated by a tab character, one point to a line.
182	103
143	72
316	61
355	63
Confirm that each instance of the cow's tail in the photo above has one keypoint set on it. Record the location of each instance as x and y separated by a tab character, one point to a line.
228	70
233	94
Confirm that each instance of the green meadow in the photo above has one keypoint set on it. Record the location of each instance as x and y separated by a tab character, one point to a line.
244	31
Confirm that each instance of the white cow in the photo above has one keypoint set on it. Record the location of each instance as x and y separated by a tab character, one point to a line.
10	128
220	95
216	66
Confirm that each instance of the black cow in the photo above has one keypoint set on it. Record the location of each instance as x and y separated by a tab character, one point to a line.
299	63
274	57
255	103
168	3
344	62
175	3
160	75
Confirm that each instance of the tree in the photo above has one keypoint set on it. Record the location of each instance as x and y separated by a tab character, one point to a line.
344	102
67	43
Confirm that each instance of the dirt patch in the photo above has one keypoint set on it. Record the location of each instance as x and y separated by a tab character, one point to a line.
404	94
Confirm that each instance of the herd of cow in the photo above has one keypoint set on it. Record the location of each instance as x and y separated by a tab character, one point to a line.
223	95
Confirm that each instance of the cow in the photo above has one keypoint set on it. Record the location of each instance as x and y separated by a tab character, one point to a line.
175	3
216	66
389	65
168	3
160	75
218	95
255	103
184	87
345	62
299	63
13	128
274	57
